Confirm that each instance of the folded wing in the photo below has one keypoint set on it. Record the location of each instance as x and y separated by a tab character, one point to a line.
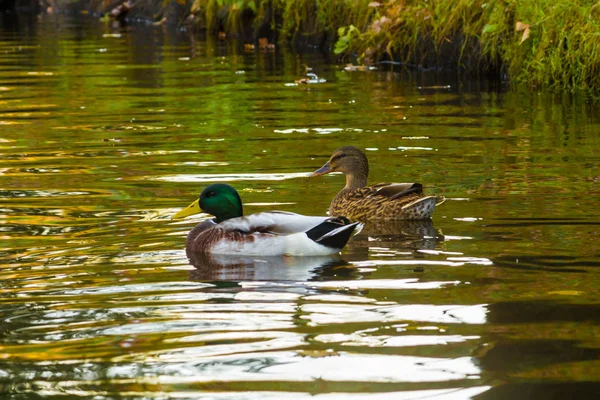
280	222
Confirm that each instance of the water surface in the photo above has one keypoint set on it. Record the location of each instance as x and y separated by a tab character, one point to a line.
105	133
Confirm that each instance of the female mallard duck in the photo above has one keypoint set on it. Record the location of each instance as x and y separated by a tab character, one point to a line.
381	201
274	233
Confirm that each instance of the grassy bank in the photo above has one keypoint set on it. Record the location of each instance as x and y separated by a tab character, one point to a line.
541	43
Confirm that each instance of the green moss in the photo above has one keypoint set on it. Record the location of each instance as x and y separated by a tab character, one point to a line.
555	44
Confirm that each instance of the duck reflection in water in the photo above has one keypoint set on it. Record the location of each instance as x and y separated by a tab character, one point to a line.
221	267
399	235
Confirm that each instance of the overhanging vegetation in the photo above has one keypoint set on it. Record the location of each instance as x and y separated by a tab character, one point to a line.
541	43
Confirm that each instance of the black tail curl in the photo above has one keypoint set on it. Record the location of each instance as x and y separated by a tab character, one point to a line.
333	232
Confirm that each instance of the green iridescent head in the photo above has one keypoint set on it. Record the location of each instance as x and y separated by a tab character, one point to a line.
218	199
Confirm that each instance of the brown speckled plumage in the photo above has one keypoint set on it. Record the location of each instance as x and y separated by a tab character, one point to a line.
204	236
381	201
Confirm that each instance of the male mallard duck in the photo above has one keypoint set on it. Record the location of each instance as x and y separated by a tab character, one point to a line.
381	201
274	233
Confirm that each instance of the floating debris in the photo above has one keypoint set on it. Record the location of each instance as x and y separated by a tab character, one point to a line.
350	67
434	87
310	79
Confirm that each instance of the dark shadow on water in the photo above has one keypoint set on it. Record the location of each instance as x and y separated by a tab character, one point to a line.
545	263
546	391
540	356
520	356
541	312
218	267
528	222
402	235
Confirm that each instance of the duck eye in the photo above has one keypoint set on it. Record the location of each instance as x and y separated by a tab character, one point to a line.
210	194
338	156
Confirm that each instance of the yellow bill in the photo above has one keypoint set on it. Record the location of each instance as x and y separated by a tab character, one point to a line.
192	209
